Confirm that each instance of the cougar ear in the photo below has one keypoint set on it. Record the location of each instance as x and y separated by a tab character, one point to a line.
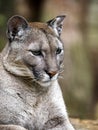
16	26
57	24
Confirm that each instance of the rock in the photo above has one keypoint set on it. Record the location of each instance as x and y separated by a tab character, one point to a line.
85	124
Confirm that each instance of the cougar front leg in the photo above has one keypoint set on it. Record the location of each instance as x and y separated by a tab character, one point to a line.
11	127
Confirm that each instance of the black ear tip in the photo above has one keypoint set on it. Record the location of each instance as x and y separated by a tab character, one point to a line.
62	17
16	18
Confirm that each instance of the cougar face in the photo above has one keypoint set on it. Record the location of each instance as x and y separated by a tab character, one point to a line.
35	49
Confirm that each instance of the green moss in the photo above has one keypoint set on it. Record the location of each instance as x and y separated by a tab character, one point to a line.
2	42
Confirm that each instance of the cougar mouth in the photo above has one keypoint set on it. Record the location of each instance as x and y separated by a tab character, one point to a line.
47	81
43	78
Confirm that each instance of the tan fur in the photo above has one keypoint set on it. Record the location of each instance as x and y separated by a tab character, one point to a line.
42	26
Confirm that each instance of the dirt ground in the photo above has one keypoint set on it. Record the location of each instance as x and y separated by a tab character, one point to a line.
85	124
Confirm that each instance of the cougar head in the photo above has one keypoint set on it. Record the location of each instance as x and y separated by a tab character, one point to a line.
35	50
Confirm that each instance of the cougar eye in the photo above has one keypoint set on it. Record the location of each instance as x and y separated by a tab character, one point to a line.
58	51
36	53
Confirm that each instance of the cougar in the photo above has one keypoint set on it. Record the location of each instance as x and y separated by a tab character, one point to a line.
30	64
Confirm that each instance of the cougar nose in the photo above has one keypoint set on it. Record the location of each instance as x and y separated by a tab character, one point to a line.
51	73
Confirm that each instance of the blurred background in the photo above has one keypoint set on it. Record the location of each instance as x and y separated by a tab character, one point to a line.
80	37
